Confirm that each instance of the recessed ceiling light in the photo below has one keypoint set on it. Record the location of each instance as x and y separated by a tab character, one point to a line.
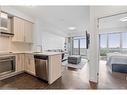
123	19
72	28
30	6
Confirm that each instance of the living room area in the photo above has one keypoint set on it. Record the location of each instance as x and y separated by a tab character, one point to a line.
75	55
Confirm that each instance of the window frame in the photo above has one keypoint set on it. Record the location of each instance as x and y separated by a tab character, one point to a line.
107	44
106	40
122	41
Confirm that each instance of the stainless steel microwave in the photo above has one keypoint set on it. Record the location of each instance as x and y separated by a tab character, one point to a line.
4	24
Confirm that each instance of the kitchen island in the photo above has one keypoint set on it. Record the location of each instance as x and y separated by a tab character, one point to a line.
54	65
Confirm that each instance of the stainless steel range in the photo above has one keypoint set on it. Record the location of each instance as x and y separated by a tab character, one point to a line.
7	64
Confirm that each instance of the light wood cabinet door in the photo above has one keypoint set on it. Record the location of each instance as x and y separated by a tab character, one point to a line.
23	30
18	29
28	31
29	64
19	62
32	65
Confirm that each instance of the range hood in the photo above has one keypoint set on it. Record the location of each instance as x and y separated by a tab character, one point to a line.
4	25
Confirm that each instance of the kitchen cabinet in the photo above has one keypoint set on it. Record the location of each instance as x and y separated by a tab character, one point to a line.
18	29
49	66
22	30
25	62
19	62
28	29
29	64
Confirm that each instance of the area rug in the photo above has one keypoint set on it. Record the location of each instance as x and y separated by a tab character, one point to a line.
75	66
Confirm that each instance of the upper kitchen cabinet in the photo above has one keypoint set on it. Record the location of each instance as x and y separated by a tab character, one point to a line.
18	29
28	31
22	30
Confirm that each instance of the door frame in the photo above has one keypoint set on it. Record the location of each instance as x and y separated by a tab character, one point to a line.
98	34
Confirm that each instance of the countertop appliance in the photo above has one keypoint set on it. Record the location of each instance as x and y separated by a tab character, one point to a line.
41	66
7	64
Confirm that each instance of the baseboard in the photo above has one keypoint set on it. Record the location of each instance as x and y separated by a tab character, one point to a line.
93	84
10	75
29	73
13	74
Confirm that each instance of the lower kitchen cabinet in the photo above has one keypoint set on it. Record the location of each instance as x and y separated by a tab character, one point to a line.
25	62
52	71
20	62
29	64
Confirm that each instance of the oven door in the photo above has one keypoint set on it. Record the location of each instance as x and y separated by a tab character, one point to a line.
7	65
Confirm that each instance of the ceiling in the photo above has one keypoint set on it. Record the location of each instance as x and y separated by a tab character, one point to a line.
59	18
113	23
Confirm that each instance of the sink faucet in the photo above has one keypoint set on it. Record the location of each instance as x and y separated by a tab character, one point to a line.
40	47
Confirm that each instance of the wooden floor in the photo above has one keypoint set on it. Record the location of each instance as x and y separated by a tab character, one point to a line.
111	81
71	79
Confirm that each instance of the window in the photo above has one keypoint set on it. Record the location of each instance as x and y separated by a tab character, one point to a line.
76	43
79	45
82	43
103	40
114	40
83	46
124	40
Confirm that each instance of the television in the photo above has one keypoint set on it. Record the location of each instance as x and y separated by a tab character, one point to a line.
87	40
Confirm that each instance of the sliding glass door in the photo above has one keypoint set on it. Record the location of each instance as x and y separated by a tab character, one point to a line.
76	47
82	46
79	46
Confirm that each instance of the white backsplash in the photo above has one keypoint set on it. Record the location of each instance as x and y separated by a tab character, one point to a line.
6	45
20	47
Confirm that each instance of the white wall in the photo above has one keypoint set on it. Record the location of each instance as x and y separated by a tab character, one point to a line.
93	49
102	11
95	13
51	41
46	38
113	30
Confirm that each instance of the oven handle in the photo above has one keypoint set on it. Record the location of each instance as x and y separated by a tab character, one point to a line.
6	60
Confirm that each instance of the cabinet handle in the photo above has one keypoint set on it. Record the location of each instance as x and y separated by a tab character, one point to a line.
24	38
29	61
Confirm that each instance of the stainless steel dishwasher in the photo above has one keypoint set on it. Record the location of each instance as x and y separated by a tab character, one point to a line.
41	66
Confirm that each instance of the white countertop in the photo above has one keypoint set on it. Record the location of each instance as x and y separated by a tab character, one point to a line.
48	53
30	52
